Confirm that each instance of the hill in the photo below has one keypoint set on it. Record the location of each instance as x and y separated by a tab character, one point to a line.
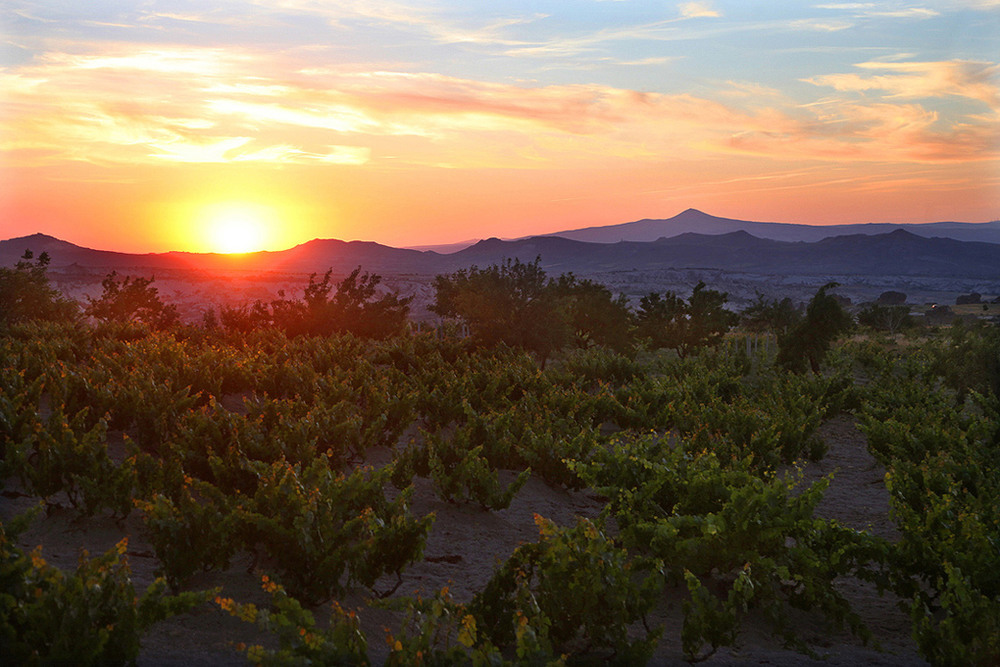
899	253
695	221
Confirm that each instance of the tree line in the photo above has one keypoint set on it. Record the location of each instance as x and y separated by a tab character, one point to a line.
512	303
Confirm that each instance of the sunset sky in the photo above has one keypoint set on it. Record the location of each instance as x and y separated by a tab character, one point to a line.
208	125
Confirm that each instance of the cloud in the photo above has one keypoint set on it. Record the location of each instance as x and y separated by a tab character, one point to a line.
819	25
693	10
980	5
163	105
876	10
915	80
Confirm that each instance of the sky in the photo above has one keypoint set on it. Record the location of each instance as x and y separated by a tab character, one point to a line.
211	125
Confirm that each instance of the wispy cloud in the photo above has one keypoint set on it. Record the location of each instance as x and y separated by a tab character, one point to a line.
692	10
915	80
822	25
880	10
208	105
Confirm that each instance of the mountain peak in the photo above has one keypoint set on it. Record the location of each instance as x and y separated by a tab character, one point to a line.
38	236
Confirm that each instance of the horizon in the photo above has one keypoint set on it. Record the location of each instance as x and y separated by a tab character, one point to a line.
471	242
230	126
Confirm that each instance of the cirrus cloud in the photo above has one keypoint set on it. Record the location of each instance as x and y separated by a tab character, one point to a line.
159	105
914	80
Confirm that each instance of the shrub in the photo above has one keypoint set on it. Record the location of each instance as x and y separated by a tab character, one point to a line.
89	617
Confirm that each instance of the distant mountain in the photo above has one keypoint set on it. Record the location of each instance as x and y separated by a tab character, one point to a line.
317	255
694	221
899	253
445	248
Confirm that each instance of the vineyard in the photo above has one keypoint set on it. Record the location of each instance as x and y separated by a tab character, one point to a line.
297	499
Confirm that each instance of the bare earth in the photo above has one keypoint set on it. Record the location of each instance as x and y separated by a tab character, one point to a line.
467	543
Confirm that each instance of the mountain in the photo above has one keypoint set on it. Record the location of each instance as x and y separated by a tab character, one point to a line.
317	255
695	221
899	253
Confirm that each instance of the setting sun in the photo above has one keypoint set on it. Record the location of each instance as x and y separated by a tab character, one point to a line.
238	227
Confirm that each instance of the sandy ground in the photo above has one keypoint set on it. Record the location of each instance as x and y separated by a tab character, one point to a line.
467	543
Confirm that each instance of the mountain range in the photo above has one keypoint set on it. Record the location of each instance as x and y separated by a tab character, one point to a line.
695	221
900	252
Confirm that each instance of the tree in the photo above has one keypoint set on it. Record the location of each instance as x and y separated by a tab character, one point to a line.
355	307
26	294
770	315
671	323
885	318
891	298
809	341
511	303
659	318
131	299
245	318
593	314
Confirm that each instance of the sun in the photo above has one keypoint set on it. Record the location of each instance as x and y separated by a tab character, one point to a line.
237	227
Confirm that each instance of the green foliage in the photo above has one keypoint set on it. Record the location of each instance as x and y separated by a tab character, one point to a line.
770	315
510	303
938	438
193	531
67	455
885	318
131	300
594	316
670	322
575	592
809	341
967	359
300	642
963	628
459	471
26	294
248	442
437	631
599	365
708	619
718	402
90	617
751	535
315	526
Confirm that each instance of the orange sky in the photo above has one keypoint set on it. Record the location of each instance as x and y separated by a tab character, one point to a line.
169	127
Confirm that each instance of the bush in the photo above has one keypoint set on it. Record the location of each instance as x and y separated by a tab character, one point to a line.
573	592
89	617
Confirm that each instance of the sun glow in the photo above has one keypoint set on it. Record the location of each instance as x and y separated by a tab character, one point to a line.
238	227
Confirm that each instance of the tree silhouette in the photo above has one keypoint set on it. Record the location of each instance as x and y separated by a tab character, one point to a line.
26	294
809	341
595	317
770	315
131	299
670	322
354	307
885	318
